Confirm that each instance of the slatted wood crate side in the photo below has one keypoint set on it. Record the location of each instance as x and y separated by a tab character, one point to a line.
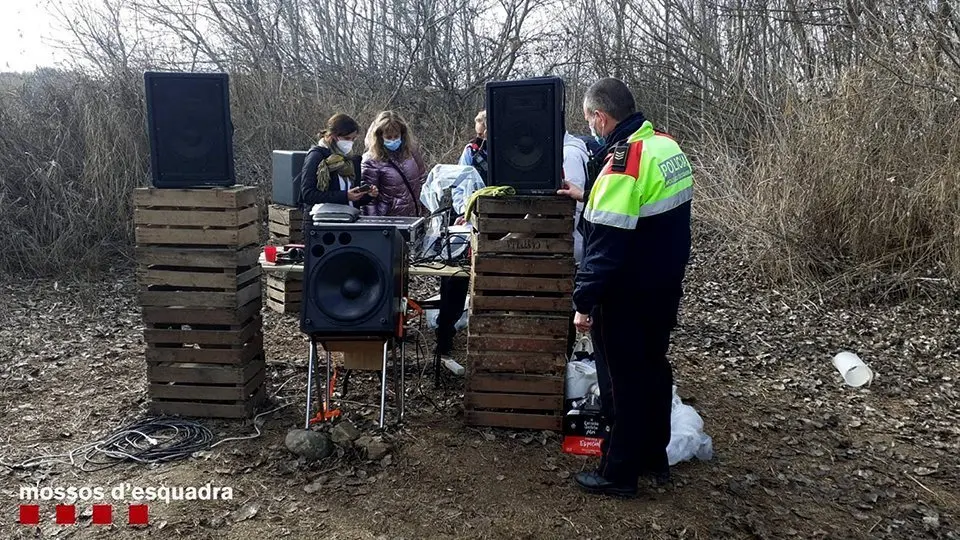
160	316
285	215
536	267
512	324
238	237
234	335
209	354
221	218
284	293
485	245
179	385
531	363
165	296
230	197
518	401
524	205
206	393
282	234
515	383
183	400
524	225
195	257
196	217
513	420
192	278
285	224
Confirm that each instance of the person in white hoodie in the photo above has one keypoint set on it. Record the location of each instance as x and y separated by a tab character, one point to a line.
575	158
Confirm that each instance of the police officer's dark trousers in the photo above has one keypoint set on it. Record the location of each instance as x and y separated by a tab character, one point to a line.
631	335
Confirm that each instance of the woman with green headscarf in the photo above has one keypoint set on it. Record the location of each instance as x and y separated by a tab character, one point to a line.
331	169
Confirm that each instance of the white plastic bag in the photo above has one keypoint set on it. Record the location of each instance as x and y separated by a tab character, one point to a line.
433	314
581	370
581	374
687	439
462	322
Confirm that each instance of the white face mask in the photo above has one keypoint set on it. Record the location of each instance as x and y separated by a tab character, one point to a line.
345	146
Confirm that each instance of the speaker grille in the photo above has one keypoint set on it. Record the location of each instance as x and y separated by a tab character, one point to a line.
524	127
349	285
188	116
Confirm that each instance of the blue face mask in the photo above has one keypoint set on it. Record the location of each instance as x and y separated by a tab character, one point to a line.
599	138
392	144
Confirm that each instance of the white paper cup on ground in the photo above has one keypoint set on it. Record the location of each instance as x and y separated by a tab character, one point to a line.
855	373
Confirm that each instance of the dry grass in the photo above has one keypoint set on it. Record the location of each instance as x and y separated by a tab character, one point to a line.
858	191
73	148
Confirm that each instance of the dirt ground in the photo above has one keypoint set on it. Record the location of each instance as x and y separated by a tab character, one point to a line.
798	454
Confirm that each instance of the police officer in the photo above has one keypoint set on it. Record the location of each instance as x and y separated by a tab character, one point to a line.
636	221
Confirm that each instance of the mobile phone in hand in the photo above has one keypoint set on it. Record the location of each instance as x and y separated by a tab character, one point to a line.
365	188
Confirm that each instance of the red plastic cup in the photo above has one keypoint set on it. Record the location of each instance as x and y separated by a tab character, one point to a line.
270	253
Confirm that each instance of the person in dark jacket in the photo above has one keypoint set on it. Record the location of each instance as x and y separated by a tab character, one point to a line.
393	164
629	285
331	169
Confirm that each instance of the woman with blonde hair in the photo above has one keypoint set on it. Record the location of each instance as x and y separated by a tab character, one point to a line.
331	168
393	164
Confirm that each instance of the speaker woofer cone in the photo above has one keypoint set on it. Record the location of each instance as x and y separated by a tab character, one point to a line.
348	285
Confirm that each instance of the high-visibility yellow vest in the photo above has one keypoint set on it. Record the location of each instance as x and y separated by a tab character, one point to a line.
647	176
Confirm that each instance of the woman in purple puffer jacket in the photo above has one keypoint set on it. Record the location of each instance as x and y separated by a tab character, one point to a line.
393	164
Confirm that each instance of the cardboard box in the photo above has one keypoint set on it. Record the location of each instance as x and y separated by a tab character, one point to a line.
361	355
583	431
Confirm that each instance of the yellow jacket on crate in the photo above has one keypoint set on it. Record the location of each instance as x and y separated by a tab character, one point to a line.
637	224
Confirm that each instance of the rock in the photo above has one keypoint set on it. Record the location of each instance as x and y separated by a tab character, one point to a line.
245	512
314	486
375	448
309	445
344	433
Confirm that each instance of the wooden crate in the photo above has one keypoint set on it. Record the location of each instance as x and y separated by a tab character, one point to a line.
197	218
200	293
203	361
207	390
285	292
513	400
524	225
286	224
521	287
211	368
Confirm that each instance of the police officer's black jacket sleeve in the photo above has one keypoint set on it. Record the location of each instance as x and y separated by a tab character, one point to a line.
604	253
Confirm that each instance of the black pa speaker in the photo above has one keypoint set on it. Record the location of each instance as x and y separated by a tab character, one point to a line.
525	134
353	281
191	136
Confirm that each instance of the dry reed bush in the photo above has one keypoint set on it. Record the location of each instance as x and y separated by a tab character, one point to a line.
70	153
74	147
858	190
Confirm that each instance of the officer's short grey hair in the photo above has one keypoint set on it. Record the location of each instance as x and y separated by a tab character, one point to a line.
610	96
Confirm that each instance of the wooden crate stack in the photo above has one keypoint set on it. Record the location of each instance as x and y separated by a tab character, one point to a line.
286	224
521	288
285	291
200	292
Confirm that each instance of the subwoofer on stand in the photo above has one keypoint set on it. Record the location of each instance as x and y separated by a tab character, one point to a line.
191	136
354	279
525	134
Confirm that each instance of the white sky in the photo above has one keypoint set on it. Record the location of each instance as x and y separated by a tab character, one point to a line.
25	32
